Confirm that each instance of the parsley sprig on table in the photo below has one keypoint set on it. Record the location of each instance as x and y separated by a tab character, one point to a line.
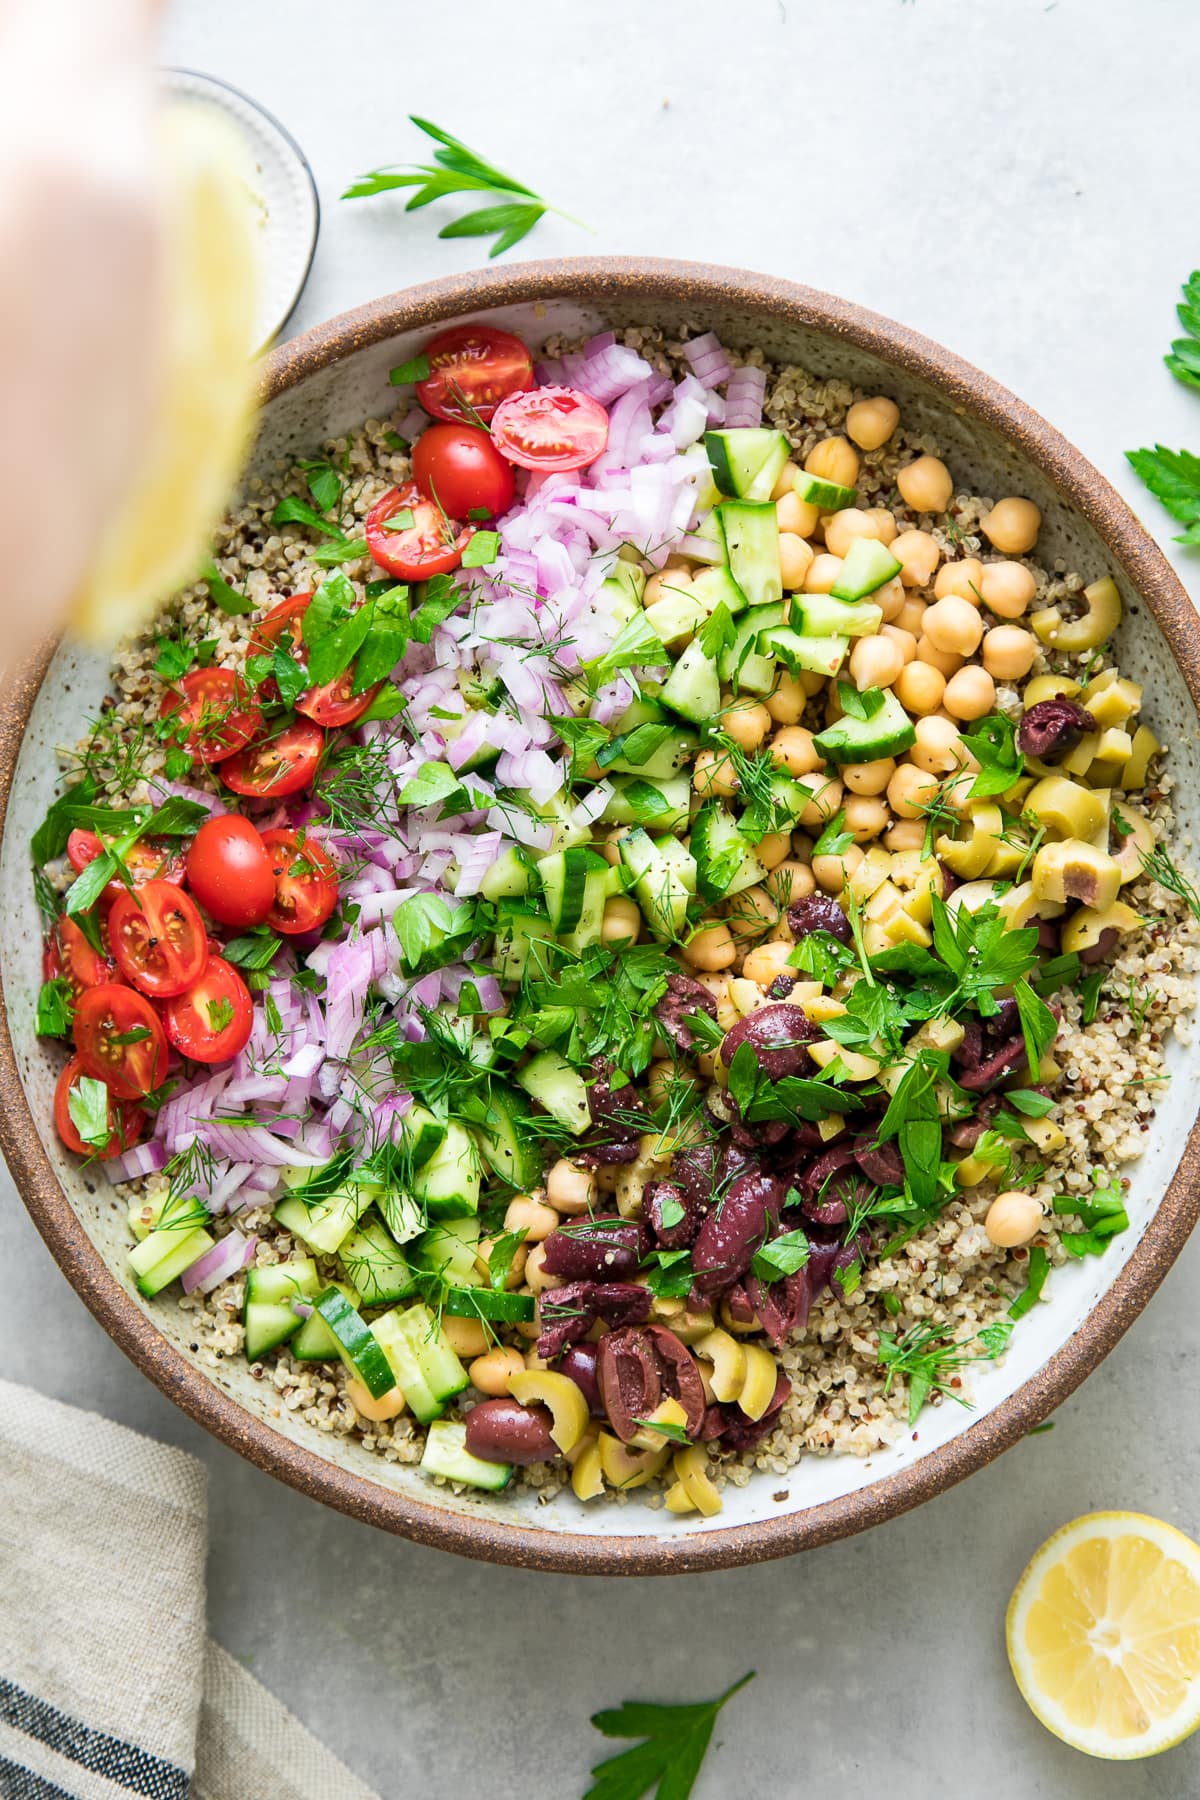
674	1740
1173	476
512	210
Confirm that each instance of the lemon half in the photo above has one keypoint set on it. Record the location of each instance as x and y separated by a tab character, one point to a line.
1104	1635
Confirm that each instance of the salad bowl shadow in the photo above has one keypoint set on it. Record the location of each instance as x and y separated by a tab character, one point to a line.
330	379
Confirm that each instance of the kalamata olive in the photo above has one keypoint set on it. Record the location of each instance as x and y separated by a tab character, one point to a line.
777	1034
813	1179
966	1133
742	1433
1103	947
683	996
880	1163
579	1363
673	1219
603	1249
733	1230
781	987
1048	936
741	1307
1052	727
1004	1061
640	1364
817	912
568	1313
781	1307
505	1431
707	1169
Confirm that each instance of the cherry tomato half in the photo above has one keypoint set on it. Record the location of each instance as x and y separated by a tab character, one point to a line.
306	883
229	871
69	954
277	764
120	1040
462	470
218	711
424	547
212	1021
329	705
125	1122
552	428
145	862
158	939
471	369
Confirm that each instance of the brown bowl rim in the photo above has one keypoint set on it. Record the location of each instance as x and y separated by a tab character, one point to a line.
618	283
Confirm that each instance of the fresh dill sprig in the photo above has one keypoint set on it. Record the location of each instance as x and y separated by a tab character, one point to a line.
927	1356
1158	864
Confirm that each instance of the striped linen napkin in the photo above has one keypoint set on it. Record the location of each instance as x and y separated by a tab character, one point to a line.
109	1683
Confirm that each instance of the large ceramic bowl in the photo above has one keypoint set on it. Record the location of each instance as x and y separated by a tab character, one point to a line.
331	379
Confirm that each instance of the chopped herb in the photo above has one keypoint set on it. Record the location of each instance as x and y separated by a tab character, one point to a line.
665	1428
220	592
87	1103
324	483
993	744
835	838
1035	1281
293	511
927	1356
406	374
1089	989
673	1743
781	1257
483	548
220	1015
55	1008
1102	1216
1159	866
257	950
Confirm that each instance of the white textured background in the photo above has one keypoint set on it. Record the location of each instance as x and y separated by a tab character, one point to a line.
1017	179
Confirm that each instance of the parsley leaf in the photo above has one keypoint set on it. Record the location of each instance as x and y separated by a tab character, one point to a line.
1038	1024
718	632
55	1008
483	548
1039	1268
1089	989
416	369
294	511
993	744
782	1256
87	1104
636	644
1183	359
1173	476
668	1759
324	483
439	598
434	783
220	592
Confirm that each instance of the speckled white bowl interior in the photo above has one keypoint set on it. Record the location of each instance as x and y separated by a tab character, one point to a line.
338	397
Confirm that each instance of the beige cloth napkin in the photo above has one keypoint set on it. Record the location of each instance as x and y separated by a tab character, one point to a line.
109	1683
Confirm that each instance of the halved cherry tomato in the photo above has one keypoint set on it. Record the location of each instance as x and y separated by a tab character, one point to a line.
418	550
333	703
551	428
126	1123
69	954
306	883
218	711
277	764
158	939
229	871
460	468
212	1021
471	369
145	862
120	1040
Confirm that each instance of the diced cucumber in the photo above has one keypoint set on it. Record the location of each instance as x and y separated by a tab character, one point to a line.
746	461
656	749
326	1223
357	1345
830	496
507	1140
448	1184
752	545
679	860
621	591
563	875
448	1251
693	688
402	1215
790	798
888	731
819	655
868	565
315	1342
642	711
676	616
665	805
509	877
601	884
165	1254
498	1306
715	587
423	1135
523	937
268	1315
376	1267
725	860
549	1079
817	615
266	1327
739	663
423	1364
658	887
558	813
446	1454
709	527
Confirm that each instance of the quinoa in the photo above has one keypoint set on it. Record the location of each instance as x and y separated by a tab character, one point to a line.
949	1274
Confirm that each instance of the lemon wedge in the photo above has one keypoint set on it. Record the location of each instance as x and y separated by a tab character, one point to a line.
1104	1635
204	419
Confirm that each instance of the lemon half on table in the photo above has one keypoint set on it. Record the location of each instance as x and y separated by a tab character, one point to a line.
1104	1635
204	419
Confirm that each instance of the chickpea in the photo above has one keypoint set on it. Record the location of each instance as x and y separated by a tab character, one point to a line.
536	1278
752	912
492	1373
773	849
890	599
796	557
1012	526
1007	589
918	554
971	694
796	515
713	773
905	834
884	523
841	529
786	481
483	1257
610	848
793	749
910	790
622	922
792	881
822	572
938	748
466	1337
710	947
953	624
833	872
747	722
1009	652
869	777
871	422
911	617
919	687
834	459
926	485
866	817
946	662
787	700
533	1217
812	681
388	1406
823	805
765	964
667	581
570	1189
961	578
875	662
1013	1218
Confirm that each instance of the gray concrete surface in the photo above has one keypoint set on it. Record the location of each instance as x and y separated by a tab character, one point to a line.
1016	178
